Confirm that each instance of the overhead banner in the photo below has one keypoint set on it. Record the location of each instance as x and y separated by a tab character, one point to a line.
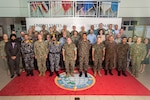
78	22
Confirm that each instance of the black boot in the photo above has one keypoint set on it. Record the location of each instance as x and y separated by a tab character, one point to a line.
110	72
118	73
51	74
28	73
80	74
57	73
86	74
105	72
124	74
31	73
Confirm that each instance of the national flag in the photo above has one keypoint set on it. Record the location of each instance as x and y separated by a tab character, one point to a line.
66	4
45	6
40	7
33	6
114	6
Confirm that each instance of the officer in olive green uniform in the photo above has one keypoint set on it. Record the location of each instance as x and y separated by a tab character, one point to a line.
45	32
41	52
3	53
122	52
137	53
98	52
84	47
110	55
75	38
56	32
69	51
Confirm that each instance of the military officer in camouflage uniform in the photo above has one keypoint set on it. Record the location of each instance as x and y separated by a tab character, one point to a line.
65	30
41	52
54	55
98	53
75	38
110	55
122	52
84	49
137	53
28	55
56	32
45	32
69	52
3	52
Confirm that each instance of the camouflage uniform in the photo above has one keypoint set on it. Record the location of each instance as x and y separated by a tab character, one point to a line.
57	35
137	53
75	40
41	51
28	54
98	54
54	55
45	32
81	32
110	55
69	54
68	33
3	54
84	49
122	52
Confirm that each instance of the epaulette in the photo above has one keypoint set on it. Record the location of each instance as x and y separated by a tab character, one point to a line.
30	41
58	42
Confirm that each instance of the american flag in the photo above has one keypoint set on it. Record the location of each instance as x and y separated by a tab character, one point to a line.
33	6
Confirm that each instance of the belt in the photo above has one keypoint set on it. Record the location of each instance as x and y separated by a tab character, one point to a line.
28	53
54	52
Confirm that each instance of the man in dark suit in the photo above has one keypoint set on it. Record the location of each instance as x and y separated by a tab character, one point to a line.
13	55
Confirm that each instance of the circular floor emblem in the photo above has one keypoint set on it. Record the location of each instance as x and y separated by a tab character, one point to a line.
75	83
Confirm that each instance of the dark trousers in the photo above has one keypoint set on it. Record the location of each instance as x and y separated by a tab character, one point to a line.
14	65
62	64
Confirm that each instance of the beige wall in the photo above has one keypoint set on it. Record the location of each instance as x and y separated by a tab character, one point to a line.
134	8
13	8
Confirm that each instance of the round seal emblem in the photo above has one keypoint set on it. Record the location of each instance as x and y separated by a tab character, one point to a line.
75	83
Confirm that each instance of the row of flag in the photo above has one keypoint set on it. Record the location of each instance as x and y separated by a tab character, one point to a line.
44	6
41	5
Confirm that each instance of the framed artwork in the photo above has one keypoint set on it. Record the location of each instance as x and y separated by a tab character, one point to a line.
139	30
1	30
147	32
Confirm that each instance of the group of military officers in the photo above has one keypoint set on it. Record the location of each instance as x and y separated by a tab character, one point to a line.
71	49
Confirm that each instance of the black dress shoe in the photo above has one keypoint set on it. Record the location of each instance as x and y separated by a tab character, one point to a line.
86	74
12	76
31	73
80	74
51	74
28	73
18	74
124	74
105	72
57	73
110	72
118	73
